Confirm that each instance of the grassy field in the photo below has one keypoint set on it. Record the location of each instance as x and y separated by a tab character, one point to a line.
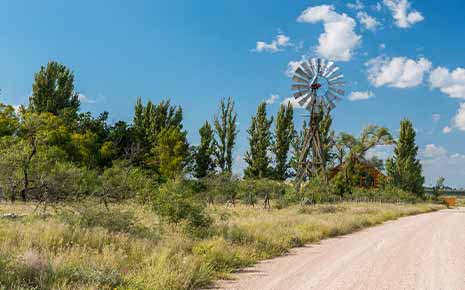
86	246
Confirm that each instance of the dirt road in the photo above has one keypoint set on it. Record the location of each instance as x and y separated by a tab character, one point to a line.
419	252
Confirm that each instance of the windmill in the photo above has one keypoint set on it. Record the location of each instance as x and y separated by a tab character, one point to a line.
318	86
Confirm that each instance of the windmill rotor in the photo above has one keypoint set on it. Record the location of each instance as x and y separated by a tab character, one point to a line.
318	85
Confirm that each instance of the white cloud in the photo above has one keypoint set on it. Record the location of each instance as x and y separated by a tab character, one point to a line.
276	45
293	101
368	21
451	83
84	99
459	120
402	13
436	117
383	152
446	130
358	5
398	72
292	66
437	161
378	7
339	39
359	96
382	46
272	99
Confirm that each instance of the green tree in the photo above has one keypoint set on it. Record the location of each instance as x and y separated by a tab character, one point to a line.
327	137
297	144
203	156
226	131
257	157
53	90
284	133
171	152
9	121
404	169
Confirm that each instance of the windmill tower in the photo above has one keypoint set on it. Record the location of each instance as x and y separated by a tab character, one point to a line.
318	85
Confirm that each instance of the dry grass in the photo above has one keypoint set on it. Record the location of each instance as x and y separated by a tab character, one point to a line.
88	247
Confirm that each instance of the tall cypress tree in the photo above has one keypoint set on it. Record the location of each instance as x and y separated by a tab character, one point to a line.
203	155
284	132
226	131
259	144
404	169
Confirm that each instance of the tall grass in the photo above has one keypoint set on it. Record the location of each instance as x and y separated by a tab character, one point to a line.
86	246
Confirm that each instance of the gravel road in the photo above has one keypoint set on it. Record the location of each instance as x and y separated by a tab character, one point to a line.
424	252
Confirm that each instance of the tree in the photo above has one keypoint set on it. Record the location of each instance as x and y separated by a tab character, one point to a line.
404	169
284	133
297	144
260	143
170	152
9	121
327	138
53	90
439	186
203	156
226	131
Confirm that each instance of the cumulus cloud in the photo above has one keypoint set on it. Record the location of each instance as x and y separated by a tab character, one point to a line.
451	83
339	39
369	22
402	13
293	102
276	45
357	5
84	99
382	152
360	96
459	120
437	161
272	99
446	130
398	72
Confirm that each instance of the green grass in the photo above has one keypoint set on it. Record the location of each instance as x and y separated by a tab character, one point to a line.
85	246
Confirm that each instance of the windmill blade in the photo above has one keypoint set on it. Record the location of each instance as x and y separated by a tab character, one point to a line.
340	83
315	65
336	77
312	66
299	87
299	94
299	79
337	91
329	67
307	69
301	72
332	97
318	62
331	105
302	101
322	66
332	71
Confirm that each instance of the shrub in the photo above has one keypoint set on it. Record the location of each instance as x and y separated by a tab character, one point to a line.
175	202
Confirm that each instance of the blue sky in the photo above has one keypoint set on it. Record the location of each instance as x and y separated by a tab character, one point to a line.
406	57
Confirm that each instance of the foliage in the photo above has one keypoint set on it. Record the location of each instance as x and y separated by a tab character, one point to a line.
176	202
284	133
203	156
53	90
8	120
226	133
404	169
170	152
257	157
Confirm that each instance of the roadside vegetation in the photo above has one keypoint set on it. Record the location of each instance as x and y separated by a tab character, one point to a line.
89	204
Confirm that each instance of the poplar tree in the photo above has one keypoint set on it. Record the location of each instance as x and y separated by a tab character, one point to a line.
53	90
284	132
226	133
259	145
203	156
404	169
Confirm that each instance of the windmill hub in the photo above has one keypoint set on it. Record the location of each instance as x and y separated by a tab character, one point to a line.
315	86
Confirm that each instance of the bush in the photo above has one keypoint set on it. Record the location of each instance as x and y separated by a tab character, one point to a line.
175	202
